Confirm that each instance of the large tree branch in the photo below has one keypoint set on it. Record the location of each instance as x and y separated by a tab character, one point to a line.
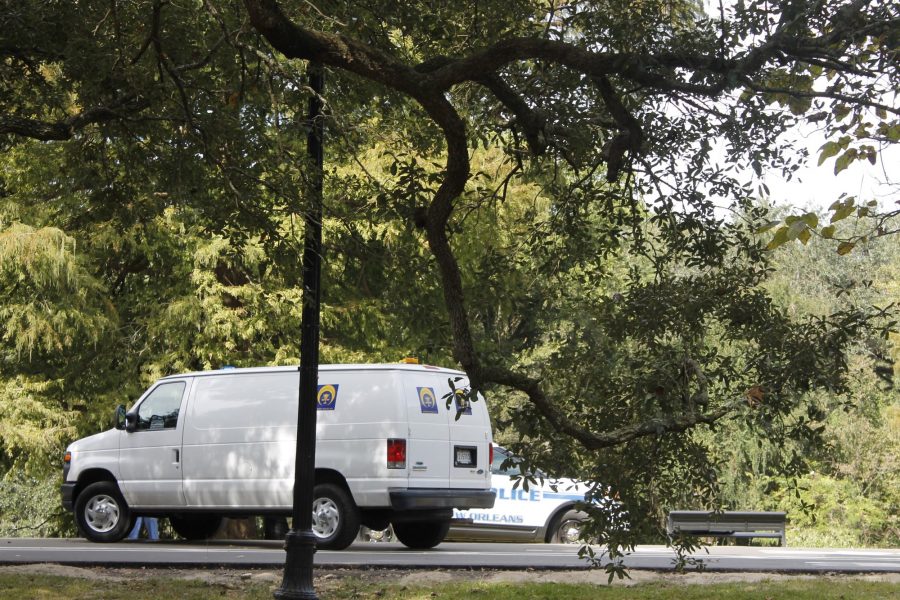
331	50
65	129
532	122
696	74
456	174
593	440
666	71
764	89
341	52
630	137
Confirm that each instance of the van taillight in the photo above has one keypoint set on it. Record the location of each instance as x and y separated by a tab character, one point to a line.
396	454
490	455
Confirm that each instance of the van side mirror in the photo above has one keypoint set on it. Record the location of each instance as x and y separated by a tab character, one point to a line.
131	422
120	417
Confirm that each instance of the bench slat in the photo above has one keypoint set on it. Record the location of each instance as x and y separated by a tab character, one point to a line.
738	524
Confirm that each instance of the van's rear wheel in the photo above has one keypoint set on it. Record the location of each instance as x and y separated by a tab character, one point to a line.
421	534
197	526
101	513
335	517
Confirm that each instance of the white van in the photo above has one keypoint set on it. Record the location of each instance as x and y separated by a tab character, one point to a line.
203	446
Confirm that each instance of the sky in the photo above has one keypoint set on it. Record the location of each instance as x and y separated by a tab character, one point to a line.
816	187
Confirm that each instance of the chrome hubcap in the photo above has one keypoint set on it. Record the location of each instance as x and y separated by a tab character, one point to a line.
570	532
102	513
326	517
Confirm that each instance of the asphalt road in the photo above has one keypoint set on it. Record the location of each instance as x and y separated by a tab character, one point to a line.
447	555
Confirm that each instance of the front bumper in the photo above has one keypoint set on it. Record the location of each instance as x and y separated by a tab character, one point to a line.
68	495
436	498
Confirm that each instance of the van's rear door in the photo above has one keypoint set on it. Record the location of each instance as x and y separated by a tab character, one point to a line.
470	439
428	444
443	451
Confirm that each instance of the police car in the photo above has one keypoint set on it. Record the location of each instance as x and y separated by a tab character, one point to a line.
545	512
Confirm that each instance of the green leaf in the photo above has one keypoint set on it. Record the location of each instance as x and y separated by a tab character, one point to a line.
779	238
828	149
796	229
828	232
845	248
840	202
843	210
844	160
767	226
811	219
893	133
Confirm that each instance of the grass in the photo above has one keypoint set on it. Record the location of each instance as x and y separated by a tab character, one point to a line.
159	587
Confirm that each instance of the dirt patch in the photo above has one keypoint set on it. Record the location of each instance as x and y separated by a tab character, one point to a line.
63	571
325	578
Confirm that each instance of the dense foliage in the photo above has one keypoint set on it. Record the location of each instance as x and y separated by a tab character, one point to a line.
559	198
846	494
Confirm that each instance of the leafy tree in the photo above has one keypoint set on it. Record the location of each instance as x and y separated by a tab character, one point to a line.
846	483
621	312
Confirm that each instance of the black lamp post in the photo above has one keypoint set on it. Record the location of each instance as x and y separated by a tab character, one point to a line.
300	542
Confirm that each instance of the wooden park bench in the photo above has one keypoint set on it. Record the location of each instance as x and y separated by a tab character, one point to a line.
735	524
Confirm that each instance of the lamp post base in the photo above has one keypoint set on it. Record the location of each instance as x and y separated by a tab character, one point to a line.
298	567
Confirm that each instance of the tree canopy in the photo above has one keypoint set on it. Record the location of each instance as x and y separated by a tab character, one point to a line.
559	197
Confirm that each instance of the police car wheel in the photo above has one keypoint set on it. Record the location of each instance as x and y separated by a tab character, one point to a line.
335	517
567	529
101	513
421	534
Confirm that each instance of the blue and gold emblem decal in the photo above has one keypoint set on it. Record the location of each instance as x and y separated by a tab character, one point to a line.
463	406
427	401
327	396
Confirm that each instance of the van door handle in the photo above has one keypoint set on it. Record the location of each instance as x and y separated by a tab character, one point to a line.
177	455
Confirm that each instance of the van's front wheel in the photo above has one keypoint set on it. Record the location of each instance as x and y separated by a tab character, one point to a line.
421	534
335	518
101	513
197	526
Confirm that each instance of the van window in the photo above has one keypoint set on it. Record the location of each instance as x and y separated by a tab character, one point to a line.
497	468
160	409
514	469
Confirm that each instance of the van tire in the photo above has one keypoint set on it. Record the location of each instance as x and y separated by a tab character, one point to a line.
421	535
196	526
335	518
101	513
